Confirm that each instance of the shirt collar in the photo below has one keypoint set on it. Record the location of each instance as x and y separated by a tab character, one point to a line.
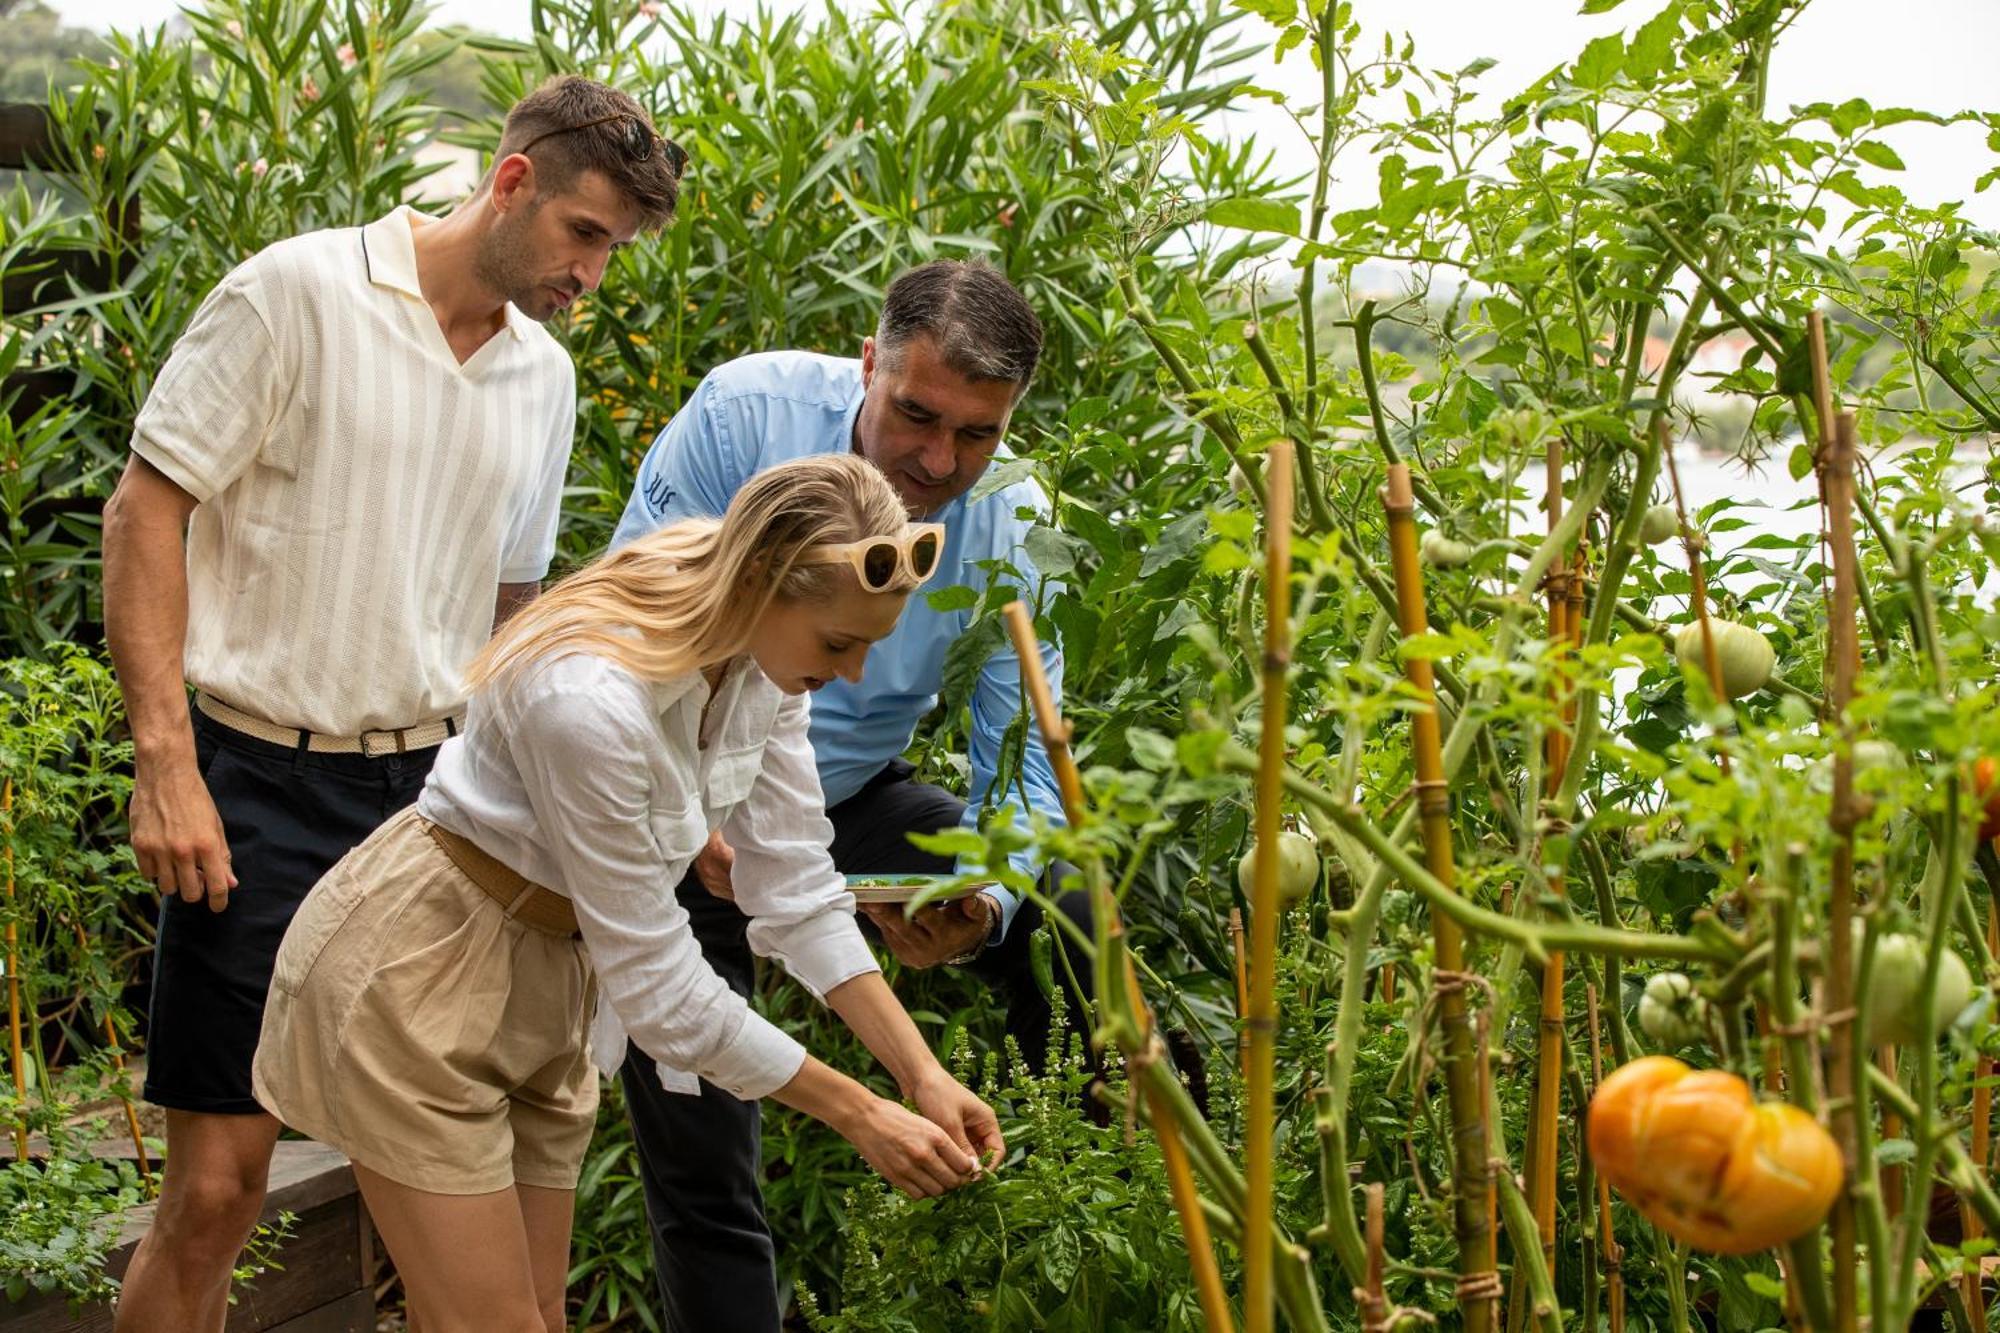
390	252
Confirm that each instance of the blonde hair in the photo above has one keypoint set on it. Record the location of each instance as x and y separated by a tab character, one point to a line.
688	596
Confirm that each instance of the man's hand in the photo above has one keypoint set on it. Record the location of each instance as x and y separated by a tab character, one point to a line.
936	933
712	865
952	1107
177	835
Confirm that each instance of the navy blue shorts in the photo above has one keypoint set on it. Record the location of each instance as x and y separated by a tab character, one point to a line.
288	815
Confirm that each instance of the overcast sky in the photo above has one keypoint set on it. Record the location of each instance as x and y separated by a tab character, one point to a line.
1934	55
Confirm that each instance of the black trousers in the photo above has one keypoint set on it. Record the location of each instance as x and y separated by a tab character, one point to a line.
289	814
699	1156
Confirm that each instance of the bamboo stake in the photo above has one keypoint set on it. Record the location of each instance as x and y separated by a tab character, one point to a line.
118	1064
1837	476
1548	1054
1258	1295
1194	1223
1613	1257
1889	1179
1374	1301
1479	1283
14	984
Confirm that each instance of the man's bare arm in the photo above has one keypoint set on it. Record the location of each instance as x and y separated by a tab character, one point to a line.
512	597
176	833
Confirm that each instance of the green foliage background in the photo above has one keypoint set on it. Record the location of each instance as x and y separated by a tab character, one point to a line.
1640	195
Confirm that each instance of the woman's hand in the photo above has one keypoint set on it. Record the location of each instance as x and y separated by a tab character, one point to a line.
952	1107
912	1154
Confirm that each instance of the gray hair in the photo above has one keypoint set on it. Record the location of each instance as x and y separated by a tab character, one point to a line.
981	323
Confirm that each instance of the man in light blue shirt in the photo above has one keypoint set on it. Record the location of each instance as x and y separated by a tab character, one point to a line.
927	403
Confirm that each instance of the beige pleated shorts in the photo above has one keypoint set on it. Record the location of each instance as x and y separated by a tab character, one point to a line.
418	1028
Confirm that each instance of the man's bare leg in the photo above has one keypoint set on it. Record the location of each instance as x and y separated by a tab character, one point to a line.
212	1192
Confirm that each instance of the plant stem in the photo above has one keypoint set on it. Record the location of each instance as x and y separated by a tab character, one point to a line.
1521	1229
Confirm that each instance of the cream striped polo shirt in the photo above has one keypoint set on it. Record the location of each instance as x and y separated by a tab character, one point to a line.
362	495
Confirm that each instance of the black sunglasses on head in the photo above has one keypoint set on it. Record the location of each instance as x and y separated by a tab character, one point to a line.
639	140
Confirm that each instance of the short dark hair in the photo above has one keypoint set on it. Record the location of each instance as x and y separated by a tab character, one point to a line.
981	323
556	121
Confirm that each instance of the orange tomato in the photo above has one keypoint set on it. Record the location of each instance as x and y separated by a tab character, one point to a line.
1702	1160
1986	786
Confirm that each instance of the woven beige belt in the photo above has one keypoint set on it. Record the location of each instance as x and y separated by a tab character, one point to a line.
370	743
525	901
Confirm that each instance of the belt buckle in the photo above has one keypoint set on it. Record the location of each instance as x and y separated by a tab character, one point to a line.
391	742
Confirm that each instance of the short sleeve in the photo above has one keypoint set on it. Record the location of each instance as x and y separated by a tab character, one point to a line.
691	471
531	542
212	409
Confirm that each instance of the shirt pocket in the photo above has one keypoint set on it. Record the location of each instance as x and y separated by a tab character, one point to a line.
731	776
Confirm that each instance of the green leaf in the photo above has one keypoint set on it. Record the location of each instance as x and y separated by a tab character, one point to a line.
1600	61
1000	476
1878	154
1087	412
1894	1152
958	597
1599	6
1174	543
1800	464
1256	215
1278	12
1150	750
966	658
1224	557
1054	552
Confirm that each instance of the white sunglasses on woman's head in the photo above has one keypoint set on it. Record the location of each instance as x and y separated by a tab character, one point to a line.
878	560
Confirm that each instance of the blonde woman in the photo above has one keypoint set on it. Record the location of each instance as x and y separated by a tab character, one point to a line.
431	1008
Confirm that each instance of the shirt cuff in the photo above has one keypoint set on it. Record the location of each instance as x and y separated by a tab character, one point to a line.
821	951
1009	904
756	1062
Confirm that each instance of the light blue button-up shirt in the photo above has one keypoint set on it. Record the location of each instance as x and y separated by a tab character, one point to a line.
763	409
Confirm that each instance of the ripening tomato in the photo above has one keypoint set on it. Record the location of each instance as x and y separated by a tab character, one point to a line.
1986	787
1702	1160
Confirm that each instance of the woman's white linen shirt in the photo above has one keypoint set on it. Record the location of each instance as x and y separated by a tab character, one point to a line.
601	786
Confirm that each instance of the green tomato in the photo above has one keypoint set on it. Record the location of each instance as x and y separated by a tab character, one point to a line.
1746	656
1670	1013
1896	987
1298	867
1440	550
1869	756
1519	426
1660	523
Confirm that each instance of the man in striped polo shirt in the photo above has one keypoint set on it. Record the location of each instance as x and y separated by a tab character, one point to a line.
363	434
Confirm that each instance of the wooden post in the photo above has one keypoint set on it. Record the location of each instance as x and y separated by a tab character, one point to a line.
1479	1283
1838	478
1260	1131
1055	737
